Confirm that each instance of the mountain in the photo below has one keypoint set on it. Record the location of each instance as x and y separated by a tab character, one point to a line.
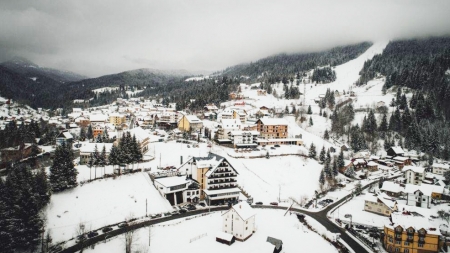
27	68
290	64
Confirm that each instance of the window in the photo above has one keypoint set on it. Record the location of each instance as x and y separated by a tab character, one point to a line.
397	250
406	243
406	251
421	245
189	193
390	239
398	242
246	228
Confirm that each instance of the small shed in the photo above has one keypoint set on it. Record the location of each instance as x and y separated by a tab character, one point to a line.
225	238
277	242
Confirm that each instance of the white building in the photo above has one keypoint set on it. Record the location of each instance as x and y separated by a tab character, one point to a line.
226	126
88	148
172	188
414	175
239	221
440	169
244	138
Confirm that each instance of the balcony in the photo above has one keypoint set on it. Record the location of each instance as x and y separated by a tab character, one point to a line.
220	187
222	181
222	175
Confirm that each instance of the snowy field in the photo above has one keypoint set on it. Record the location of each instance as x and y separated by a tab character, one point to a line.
176	238
101	203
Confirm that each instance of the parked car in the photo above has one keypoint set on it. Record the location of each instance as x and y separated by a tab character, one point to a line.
122	225
92	234
274	203
175	213
183	210
277	146
259	203
167	214
81	238
191	208
188	146
272	148
106	229
202	204
347	215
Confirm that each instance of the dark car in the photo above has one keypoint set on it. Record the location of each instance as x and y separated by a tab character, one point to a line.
167	214
106	229
183	210
202	204
259	203
274	203
272	148
277	146
191	208
122	225
175	213
81	238
92	234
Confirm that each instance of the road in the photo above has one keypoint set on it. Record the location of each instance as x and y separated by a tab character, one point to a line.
320	216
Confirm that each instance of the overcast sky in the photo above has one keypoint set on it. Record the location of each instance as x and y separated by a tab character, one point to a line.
97	37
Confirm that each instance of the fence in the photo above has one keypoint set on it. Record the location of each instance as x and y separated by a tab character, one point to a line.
198	237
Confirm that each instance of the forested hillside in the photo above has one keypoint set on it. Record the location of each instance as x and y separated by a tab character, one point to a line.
423	66
286	65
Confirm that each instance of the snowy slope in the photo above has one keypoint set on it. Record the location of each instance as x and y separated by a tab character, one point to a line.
269	223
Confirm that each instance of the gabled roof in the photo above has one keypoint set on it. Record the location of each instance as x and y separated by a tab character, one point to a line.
414	169
398	150
243	209
273	122
390	186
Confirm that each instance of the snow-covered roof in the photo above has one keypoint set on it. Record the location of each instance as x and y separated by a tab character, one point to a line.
372	163
398	150
140	133
230	122
400	158
192	119
171	181
244	210
414	169
440	165
273	122
391	187
97	117
426	189
416	222
90	147
224	236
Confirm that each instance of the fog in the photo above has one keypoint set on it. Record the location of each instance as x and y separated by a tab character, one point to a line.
95	37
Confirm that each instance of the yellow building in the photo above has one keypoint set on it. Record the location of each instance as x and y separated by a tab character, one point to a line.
411	234
190	123
117	119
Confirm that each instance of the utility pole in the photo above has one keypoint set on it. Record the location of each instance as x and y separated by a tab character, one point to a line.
145	207
279	193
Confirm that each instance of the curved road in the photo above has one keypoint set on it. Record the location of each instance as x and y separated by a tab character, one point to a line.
320	216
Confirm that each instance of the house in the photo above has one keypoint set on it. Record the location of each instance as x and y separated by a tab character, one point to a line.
401	161
64	138
98	130
216	178
408	233
347	165
190	123
392	189
87	149
440	168
226	126
270	128
379	204
414	175
241	115
18	152
142	137
239	221
372	166
244	139
210	108
395	151
98	118
359	163
172	188
117	119
261	92
421	195
380	104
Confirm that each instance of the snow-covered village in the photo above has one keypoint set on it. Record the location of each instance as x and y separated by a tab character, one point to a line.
342	147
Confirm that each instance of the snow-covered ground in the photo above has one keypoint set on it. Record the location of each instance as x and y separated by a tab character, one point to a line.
101	203
175	236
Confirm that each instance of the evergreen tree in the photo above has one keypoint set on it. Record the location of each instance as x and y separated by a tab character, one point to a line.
63	174
102	161
312	151
309	110
90	133
335	167
340	161
383	125
136	150
83	134
350	171
41	187
113	158
322	155
322	178
327	169
326	135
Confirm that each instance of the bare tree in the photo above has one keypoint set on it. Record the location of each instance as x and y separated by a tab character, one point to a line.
129	237
80	232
